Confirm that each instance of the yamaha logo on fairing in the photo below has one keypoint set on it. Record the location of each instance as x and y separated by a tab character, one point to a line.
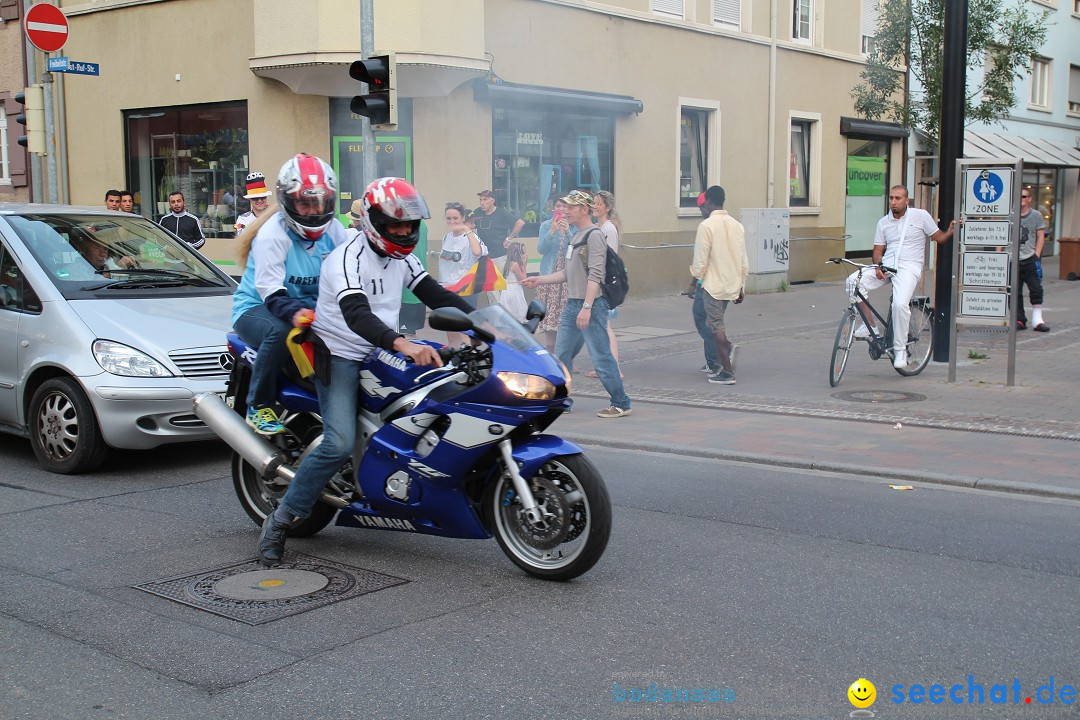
385	523
392	360
425	470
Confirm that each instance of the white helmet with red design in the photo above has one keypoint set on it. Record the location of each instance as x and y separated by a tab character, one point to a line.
307	193
392	200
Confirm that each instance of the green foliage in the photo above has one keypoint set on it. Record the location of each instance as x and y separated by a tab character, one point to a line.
911	34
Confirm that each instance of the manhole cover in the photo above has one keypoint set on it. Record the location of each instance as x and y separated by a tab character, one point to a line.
250	593
878	396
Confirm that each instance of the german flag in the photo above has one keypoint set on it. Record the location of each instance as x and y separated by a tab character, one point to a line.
482	276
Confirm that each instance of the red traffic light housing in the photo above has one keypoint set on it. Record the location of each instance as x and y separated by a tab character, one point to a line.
380	104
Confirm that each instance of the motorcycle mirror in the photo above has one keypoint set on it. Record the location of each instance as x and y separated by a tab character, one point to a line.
450	319
537	309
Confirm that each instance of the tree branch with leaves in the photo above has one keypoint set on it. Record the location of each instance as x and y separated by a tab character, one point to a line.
911	35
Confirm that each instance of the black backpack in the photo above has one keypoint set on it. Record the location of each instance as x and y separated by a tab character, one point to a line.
616	283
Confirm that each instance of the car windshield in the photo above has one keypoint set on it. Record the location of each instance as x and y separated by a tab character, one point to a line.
506	329
94	252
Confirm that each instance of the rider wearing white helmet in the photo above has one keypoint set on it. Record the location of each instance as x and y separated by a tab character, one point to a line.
359	302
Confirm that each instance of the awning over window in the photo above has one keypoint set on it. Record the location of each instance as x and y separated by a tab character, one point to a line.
556	97
1032	151
871	129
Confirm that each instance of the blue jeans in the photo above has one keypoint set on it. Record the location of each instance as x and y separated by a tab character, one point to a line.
570	339
267	333
337	405
711	358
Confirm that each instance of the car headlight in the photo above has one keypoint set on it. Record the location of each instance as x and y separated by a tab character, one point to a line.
530	387
123	360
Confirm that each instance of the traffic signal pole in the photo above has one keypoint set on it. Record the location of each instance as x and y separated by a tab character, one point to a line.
50	136
950	149
367	44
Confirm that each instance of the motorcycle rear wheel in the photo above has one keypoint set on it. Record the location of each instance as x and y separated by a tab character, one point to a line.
259	496
575	501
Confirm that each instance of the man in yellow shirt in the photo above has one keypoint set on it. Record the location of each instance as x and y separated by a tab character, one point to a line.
720	264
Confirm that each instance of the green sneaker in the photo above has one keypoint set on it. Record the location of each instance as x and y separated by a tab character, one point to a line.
265	421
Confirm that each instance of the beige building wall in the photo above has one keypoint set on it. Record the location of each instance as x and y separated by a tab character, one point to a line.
12	80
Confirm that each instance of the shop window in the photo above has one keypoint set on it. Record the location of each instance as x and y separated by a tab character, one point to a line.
697	156
673	8
1074	89
1040	83
801	20
803	162
727	13
5	166
1044	185
199	150
540	155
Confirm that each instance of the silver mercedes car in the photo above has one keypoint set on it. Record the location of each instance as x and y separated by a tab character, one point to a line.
112	325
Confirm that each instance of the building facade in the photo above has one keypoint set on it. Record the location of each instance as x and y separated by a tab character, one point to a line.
651	99
14	160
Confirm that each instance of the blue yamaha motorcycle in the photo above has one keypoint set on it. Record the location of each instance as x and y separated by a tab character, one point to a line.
457	451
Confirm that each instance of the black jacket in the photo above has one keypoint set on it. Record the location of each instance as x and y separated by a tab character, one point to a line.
185	226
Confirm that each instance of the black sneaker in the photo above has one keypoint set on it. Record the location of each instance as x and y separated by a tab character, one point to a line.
272	541
722	378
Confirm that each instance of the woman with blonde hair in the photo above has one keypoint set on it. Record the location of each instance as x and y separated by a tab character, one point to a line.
554	235
611	226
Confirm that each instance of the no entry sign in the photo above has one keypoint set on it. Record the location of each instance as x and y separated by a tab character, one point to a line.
46	27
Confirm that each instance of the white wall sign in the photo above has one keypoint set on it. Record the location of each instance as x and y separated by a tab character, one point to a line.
530	138
989	269
985	232
984	304
987	191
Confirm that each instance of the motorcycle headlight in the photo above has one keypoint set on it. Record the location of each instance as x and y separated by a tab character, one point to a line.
530	387
123	360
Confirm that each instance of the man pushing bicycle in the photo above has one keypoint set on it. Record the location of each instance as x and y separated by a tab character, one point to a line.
900	243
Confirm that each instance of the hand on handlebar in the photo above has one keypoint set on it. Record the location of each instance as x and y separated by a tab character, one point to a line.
419	354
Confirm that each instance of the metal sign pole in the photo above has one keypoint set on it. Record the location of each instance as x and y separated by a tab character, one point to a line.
367	45
1014	271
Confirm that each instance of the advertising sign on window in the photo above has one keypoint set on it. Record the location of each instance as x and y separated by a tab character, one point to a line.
866	176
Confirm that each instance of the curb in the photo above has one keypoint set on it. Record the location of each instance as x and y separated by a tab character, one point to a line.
1009	486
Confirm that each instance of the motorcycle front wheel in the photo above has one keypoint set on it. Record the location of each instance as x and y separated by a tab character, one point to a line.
576	524
259	495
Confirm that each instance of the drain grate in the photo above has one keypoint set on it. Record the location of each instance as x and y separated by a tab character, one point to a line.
878	396
252	594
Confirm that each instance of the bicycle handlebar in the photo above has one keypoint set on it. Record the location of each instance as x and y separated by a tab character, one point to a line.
861	266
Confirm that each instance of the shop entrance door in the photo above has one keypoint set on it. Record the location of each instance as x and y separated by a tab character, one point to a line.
867	193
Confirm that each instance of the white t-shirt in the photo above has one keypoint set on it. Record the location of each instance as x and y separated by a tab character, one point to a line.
611	235
449	271
918	228
356	268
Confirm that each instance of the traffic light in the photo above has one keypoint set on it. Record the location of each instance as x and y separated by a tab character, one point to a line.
33	117
380	104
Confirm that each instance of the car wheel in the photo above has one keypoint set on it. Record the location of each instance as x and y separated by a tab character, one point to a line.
63	429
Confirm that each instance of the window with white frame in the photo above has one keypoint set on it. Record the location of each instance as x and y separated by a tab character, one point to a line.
729	13
674	8
1040	83
869	25
801	17
803	160
1074	89
5	166
698	142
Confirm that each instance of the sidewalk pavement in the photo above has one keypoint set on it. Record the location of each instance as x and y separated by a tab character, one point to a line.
976	432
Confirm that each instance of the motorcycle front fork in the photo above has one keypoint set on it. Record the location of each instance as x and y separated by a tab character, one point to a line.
521	486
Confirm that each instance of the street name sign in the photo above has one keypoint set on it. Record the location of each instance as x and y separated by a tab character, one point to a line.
83	68
58	64
46	27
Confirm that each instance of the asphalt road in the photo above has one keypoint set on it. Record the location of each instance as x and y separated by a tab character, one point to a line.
779	588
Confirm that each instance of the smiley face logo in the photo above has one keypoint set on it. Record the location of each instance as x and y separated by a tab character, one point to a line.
862	693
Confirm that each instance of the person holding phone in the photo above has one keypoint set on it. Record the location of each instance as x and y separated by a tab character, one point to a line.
554	234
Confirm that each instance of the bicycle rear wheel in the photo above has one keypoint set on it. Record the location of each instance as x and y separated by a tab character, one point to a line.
920	344
845	334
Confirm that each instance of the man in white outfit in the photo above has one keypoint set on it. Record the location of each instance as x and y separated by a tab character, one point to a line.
899	243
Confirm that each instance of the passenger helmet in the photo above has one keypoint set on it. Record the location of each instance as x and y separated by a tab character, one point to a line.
389	200
307	184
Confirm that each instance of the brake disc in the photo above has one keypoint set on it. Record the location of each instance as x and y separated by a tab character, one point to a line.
555	511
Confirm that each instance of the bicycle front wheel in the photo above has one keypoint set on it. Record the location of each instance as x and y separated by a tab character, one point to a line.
845	334
920	343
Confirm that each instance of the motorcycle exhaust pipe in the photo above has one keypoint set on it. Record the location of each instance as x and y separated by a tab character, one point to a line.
230	427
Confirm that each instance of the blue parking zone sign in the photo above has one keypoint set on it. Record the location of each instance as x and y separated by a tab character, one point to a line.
987	191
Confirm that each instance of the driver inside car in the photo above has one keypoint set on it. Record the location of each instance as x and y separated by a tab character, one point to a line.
357	311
